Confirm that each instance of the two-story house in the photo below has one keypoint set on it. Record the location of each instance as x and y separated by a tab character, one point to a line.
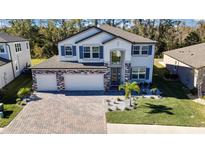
97	58
14	57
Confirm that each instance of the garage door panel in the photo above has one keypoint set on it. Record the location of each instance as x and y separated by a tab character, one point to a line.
79	82
46	82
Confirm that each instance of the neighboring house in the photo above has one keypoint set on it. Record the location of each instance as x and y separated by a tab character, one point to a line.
97	58
14	57
189	64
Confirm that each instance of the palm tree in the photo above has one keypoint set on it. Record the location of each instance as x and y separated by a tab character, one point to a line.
128	87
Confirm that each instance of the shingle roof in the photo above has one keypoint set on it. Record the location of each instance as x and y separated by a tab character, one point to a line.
5	37
55	63
3	61
193	56
126	35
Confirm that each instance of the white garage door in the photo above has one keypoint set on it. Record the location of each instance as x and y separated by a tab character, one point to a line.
46	82
80	82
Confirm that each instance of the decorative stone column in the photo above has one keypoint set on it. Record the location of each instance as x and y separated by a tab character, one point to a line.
127	71
107	77
60	80
34	84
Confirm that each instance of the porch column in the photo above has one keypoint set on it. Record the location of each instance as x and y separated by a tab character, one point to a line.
60	80
127	71
107	78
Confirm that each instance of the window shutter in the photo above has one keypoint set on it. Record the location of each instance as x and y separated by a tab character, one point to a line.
132	50
150	49
101	52
147	73
81	52
74	50
62	51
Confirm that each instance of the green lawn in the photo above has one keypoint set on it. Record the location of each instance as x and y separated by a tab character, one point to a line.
174	109
37	61
166	111
9	98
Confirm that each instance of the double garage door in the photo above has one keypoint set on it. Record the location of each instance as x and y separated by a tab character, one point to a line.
73	82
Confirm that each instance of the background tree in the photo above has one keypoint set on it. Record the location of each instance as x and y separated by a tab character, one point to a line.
192	38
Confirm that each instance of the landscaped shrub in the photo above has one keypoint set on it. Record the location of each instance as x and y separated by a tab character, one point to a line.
23	92
170	76
194	91
203	97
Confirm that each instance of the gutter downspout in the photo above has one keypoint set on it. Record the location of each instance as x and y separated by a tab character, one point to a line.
11	59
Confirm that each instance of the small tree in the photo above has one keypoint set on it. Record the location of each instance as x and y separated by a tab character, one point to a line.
128	88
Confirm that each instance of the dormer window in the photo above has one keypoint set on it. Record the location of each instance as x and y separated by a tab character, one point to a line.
68	51
18	47
145	50
2	49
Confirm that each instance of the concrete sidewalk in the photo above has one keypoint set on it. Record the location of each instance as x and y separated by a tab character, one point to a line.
152	129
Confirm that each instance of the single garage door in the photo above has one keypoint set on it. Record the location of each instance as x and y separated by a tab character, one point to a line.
81	82
46	82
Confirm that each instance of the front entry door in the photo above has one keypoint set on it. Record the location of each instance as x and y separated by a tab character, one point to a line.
115	76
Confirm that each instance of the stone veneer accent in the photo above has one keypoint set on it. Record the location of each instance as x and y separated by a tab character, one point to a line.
60	75
127	71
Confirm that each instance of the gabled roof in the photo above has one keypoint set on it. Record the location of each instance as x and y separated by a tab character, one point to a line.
5	37
88	37
117	33
125	34
3	61
193	55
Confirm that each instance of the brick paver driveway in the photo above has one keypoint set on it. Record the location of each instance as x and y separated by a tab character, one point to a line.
60	113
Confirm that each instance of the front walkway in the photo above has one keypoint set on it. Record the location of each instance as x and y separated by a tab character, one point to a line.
60	114
152	129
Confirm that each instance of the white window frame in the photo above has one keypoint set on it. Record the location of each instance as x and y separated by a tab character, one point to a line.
139	72
16	66
18	47
91	51
71	47
2	47
145	46
96	52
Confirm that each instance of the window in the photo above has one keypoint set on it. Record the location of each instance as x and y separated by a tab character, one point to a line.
16	66
18	47
87	52
136	50
116	57
139	73
145	50
27	46
91	52
68	51
96	52
2	49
